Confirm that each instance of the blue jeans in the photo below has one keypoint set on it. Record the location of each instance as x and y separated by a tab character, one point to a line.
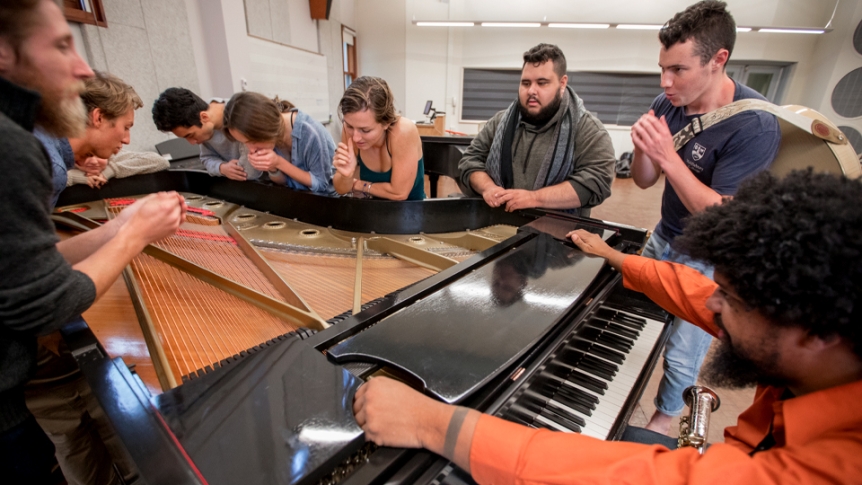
687	344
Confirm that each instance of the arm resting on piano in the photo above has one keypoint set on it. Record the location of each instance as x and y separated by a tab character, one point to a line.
678	289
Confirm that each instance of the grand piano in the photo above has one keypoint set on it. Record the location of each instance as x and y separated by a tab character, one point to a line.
529	329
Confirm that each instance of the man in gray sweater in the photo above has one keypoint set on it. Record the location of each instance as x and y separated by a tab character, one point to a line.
44	282
546	150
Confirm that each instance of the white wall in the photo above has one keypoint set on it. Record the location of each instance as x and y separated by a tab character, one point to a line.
434	57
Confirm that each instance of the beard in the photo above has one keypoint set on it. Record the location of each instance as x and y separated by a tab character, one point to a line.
62	113
732	368
545	113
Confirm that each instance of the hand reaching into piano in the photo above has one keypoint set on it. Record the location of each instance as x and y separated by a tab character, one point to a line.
393	414
593	244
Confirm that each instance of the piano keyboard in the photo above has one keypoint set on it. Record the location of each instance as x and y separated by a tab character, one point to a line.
583	385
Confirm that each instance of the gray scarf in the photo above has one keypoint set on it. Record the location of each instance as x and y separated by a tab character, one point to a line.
557	162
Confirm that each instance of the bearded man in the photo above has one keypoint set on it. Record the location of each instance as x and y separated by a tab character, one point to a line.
45	283
546	150
785	305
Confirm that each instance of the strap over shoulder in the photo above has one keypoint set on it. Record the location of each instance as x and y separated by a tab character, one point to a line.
807	137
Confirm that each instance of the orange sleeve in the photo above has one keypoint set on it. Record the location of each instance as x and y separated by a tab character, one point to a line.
680	290
506	453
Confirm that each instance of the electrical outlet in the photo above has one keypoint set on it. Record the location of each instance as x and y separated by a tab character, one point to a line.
243	84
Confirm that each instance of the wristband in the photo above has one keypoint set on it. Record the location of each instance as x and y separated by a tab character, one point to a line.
367	187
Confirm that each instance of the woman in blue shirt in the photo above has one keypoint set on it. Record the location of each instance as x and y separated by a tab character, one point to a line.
380	153
295	149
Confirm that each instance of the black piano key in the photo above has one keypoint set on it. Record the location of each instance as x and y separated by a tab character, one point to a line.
614	327
608	339
581	360
554	414
576	377
620	317
573	400
589	382
624	323
517	417
556	385
526	414
595	349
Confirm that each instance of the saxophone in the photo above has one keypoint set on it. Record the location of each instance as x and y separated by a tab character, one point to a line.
693	428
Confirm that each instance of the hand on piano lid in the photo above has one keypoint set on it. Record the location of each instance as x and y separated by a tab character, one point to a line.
393	414
594	245
233	170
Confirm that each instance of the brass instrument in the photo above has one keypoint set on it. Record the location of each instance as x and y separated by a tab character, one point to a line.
693	428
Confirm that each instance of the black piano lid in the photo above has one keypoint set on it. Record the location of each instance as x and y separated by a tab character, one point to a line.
283	415
459	337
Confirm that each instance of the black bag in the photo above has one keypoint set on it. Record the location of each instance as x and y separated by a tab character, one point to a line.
624	166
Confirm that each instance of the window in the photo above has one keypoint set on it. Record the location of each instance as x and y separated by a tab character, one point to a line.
85	12
348	38
767	79
615	98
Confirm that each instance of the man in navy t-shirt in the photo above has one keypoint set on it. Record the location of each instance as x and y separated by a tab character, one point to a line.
696	45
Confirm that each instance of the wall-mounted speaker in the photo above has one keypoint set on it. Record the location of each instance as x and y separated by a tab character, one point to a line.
320	9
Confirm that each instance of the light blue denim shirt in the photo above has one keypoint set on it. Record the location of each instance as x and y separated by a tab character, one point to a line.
62	159
312	150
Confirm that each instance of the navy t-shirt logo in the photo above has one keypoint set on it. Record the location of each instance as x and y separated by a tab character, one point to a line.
698	151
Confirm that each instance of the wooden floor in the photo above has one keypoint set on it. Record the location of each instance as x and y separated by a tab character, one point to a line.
629	204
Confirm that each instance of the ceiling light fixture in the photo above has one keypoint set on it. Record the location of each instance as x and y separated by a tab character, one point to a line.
445	24
511	24
743	29
578	26
639	26
792	31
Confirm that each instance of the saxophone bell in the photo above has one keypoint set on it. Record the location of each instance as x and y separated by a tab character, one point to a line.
693	429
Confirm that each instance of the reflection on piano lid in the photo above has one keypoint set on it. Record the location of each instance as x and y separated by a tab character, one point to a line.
492	316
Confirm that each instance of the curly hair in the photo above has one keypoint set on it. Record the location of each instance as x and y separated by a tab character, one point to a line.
178	108
369	92
707	22
547	52
791	248
110	94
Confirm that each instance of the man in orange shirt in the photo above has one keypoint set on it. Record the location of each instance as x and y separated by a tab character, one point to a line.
786	307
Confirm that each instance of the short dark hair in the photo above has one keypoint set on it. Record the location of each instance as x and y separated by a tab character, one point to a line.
791	248
17	17
178	107
707	22
547	52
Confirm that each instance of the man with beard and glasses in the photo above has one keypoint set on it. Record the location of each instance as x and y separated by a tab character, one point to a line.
45	283
546	150
696	45
786	305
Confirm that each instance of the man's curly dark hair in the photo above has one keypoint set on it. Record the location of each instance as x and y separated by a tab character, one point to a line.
791	248
178	107
708	23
